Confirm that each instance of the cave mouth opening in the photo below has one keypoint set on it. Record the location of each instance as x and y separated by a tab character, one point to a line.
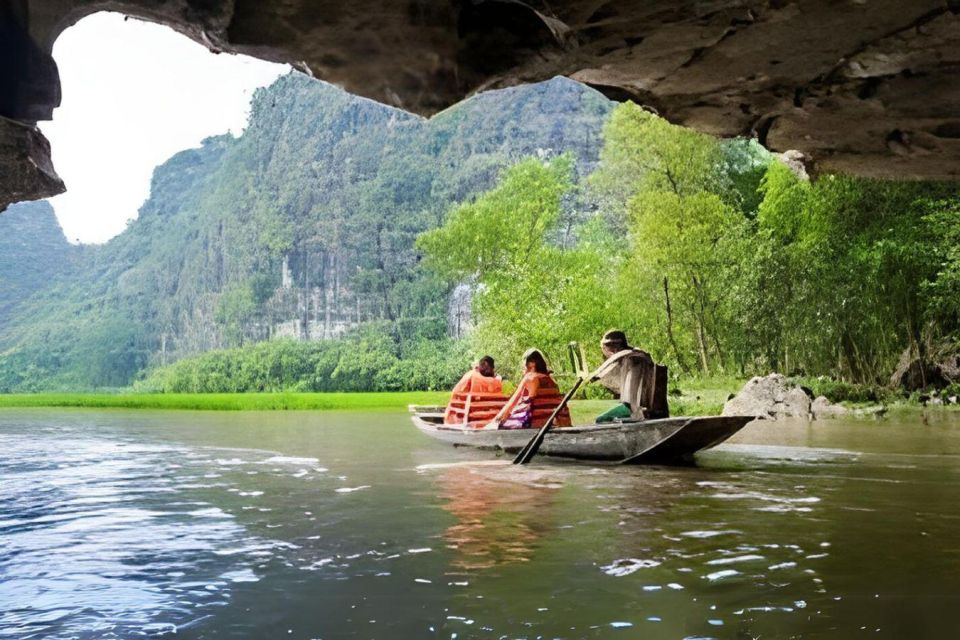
133	94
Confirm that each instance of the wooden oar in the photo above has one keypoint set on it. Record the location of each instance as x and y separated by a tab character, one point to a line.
531	448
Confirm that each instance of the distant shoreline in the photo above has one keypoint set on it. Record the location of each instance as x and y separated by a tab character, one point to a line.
265	401
583	410
703	400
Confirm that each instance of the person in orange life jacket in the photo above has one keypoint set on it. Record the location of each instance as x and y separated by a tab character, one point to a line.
536	397
480	383
481	379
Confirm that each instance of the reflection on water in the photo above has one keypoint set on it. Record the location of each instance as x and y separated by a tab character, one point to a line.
348	525
500	513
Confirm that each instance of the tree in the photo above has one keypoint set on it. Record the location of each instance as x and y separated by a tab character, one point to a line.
689	240
643	152
494	237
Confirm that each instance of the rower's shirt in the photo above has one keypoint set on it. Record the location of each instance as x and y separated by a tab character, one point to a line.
613	380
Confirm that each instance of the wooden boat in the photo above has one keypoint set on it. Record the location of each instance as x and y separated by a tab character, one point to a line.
662	441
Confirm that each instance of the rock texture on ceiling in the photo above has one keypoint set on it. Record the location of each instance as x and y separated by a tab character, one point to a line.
870	87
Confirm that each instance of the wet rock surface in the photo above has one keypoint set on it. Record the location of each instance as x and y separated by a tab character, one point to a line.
771	397
823	409
869	88
26	171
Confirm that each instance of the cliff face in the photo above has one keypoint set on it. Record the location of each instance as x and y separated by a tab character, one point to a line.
33	253
303	226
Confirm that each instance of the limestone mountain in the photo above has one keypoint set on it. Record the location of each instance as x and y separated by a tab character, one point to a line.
33	252
302	226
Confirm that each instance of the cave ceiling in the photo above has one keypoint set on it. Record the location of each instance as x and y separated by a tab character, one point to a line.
869	87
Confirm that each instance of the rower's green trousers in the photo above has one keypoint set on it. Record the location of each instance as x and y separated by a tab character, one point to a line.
622	410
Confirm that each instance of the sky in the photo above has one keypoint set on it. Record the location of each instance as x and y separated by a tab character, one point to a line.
135	93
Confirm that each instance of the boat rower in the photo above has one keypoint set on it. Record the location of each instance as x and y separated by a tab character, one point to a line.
631	374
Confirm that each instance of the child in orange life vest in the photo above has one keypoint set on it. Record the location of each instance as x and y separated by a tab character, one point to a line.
536	397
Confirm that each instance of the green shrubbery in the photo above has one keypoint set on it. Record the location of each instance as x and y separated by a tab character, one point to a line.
840	391
375	358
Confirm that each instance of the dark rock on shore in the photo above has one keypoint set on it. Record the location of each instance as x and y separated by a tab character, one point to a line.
915	374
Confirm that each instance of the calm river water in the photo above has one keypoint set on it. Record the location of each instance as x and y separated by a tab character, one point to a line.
349	525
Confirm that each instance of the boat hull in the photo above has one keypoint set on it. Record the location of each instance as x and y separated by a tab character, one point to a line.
663	441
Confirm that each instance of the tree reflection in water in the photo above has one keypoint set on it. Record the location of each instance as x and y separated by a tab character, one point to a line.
501	513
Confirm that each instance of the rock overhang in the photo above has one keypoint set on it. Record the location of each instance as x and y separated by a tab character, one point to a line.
868	87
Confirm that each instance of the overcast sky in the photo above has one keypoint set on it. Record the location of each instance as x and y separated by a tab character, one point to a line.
135	93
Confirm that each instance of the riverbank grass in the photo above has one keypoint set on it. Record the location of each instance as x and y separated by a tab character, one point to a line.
695	397
380	401
687	397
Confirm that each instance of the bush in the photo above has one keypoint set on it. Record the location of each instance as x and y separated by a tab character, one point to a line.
377	357
840	391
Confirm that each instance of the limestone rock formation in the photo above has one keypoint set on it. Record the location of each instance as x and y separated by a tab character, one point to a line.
26	171
869	87
769	397
823	409
773	397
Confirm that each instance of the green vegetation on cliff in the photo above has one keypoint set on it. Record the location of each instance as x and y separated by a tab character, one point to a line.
33	252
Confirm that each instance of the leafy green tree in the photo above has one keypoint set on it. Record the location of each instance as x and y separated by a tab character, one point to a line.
689	240
643	152
942	291
493	237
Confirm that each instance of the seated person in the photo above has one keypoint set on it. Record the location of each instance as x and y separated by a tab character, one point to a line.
477	396
631	374
535	399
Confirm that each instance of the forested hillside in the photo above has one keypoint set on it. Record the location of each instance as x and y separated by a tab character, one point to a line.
717	259
710	254
33	252
302	227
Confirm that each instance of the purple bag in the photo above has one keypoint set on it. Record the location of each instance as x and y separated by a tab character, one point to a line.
520	417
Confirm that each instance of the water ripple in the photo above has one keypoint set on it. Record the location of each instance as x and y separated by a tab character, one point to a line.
75	556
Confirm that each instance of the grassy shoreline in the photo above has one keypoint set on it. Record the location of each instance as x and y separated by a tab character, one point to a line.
582	410
280	401
688	397
700	397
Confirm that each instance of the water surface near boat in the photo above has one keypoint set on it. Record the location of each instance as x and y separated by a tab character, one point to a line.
120	524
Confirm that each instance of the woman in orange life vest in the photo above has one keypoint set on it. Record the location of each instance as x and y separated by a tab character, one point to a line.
535	399
478	395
